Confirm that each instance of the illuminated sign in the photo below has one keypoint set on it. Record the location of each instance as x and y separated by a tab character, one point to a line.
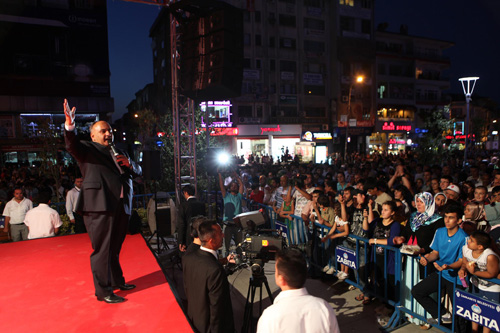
219	113
270	129
458	136
310	136
397	142
391	127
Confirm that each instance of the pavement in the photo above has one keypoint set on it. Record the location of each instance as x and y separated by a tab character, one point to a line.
352	316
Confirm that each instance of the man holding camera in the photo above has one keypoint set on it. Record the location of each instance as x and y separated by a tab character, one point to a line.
294	310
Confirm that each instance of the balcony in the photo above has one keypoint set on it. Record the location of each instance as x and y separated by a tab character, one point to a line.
299	120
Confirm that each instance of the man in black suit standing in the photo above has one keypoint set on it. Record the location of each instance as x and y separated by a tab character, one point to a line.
188	209
105	201
207	290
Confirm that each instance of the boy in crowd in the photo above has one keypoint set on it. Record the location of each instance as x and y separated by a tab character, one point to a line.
480	262
446	256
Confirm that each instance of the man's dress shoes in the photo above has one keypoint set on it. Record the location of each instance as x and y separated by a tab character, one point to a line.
111	299
125	286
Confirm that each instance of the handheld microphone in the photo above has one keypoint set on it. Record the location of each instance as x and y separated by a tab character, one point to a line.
113	148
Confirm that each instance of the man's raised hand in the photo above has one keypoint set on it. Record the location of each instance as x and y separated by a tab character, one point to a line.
69	113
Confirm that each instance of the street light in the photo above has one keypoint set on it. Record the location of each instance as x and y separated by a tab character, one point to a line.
359	79
468	84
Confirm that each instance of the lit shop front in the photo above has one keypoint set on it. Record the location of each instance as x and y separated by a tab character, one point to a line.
317	142
271	140
390	137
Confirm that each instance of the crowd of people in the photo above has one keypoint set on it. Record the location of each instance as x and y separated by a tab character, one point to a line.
446	212
449	213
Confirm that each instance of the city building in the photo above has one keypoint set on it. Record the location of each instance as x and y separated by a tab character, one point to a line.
50	50
411	80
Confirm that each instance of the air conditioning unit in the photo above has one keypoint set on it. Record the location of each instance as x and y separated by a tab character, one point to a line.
302	114
324	127
241	120
280	113
345	98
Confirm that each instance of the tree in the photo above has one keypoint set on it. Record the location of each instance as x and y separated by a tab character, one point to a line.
431	146
52	142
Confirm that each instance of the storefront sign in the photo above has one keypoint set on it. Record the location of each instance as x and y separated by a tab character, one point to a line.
311	136
478	310
273	129
286	99
346	257
391	127
270	129
396	142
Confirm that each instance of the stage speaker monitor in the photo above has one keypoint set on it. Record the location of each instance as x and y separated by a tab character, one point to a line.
151	165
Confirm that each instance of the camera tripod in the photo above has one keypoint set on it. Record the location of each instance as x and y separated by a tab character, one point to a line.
256	281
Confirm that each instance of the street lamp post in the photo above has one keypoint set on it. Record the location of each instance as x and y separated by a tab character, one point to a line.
359	79
468	84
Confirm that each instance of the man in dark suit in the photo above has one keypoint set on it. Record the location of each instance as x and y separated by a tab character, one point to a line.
105	201
207	290
188	209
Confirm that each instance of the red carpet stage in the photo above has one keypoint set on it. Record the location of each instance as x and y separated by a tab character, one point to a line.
47	287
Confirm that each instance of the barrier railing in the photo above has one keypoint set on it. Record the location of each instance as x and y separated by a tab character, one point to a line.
365	262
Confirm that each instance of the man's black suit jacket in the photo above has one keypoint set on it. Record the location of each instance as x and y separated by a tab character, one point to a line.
102	181
188	209
207	291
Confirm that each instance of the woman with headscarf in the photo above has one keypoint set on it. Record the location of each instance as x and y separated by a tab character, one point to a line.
474	218
419	231
439	201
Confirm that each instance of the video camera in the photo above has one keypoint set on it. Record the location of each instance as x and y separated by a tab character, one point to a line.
254	251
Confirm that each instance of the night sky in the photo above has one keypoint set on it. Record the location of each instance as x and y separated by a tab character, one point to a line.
474	27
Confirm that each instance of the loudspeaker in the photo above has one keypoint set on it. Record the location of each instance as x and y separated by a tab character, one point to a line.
151	165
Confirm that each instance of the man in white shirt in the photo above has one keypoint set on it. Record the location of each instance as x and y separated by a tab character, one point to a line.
15	210
42	221
71	199
294	310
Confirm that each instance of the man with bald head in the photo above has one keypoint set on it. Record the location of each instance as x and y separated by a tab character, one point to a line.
105	201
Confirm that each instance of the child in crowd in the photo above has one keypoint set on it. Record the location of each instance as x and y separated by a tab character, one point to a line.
337	234
257	194
286	209
480	262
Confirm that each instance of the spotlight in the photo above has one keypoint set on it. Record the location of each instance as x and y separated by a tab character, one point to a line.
223	158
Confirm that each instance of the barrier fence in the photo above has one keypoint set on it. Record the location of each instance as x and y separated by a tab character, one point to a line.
372	275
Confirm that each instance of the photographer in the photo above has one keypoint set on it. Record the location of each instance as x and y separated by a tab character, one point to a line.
232	207
294	310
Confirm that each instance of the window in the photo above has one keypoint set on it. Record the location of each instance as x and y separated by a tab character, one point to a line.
347	23
381	69
272	64
314	68
258	64
366	26
366	4
272	41
347	3
245	111
246	39
259	111
395	70
313	3
288	66
313	46
314	24
258	40
315	111
288	1
257	16
287	20
287	43
288	88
